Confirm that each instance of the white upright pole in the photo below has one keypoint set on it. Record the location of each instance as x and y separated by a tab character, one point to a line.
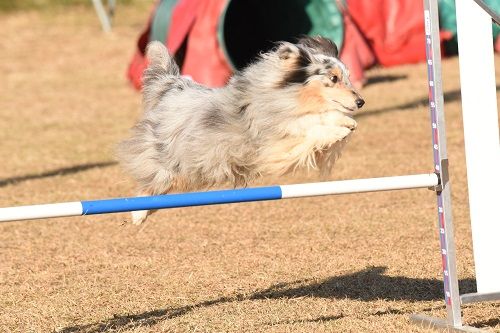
103	17
482	145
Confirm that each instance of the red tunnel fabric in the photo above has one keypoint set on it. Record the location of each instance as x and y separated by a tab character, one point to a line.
204	60
195	21
138	63
356	53
181	23
393	28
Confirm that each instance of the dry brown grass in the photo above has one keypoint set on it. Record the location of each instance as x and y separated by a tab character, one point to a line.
359	263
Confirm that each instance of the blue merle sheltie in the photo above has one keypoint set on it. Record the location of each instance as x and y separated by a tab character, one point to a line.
291	109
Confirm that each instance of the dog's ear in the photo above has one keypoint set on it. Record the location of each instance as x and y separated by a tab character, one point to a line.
320	44
287	51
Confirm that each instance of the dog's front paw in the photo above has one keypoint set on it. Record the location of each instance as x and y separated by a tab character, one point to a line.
139	216
349	123
342	132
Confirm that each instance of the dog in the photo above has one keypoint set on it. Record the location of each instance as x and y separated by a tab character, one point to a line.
289	110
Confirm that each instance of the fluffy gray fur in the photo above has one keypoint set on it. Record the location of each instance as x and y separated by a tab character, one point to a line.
192	137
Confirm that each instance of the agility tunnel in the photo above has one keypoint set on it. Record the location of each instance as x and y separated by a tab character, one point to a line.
225	35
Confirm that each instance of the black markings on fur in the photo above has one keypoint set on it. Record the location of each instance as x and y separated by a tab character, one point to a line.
299	74
320	44
160	147
243	108
212	118
171	85
304	59
164	90
178	85
151	127
240	82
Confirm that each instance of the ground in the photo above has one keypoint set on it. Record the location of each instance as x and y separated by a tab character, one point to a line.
354	263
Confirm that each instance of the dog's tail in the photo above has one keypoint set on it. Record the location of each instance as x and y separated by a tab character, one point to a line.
160	75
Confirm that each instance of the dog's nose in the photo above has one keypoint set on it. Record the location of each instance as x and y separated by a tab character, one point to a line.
360	102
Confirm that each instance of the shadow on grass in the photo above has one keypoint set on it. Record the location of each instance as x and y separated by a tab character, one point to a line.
449	96
385	78
486	323
57	172
366	285
320	319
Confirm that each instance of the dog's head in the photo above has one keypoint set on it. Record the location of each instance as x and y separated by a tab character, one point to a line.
312	64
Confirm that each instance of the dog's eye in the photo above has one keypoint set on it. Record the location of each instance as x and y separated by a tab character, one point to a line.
334	78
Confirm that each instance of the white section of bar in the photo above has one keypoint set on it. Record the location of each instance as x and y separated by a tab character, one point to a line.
482	143
40	211
359	185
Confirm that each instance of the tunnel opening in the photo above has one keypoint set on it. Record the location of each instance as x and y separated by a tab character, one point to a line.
248	27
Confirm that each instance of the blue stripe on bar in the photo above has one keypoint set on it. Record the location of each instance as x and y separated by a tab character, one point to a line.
181	200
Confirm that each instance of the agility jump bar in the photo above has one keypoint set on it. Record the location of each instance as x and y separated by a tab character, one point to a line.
107	206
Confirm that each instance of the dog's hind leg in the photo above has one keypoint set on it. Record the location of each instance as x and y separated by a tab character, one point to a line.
139	216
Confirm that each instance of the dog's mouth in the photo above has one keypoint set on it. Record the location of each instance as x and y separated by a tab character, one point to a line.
345	109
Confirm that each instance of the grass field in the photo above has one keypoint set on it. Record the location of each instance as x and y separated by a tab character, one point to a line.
357	263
